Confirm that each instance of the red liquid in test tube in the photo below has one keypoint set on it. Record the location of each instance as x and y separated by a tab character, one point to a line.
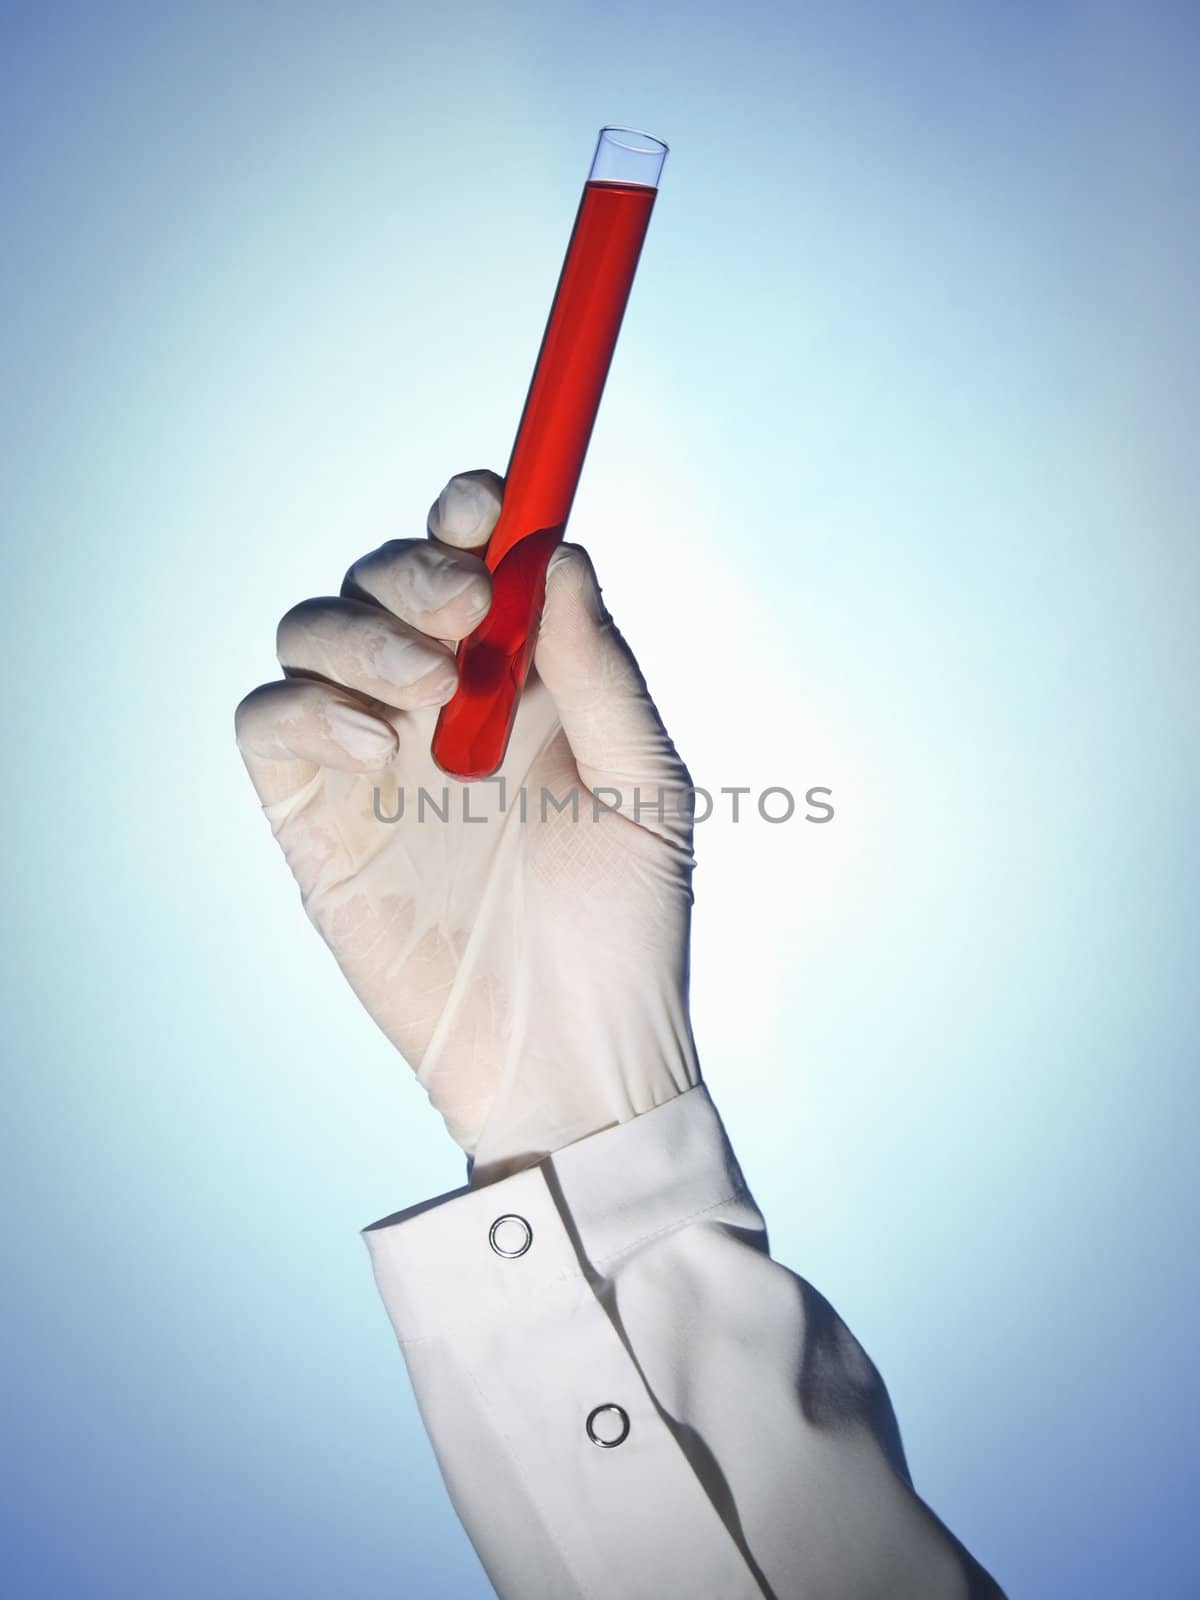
473	728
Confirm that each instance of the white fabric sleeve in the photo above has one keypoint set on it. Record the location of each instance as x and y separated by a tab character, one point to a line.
744	1444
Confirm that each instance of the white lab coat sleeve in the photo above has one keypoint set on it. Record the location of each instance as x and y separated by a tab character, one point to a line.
630	1271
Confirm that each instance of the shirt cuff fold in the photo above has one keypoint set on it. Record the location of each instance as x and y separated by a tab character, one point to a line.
574	1213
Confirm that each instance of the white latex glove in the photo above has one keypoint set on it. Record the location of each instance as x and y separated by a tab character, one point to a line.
534	972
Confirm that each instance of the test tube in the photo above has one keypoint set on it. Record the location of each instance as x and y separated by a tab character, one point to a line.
473	727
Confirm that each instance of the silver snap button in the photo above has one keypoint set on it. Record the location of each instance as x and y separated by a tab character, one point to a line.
510	1236
608	1426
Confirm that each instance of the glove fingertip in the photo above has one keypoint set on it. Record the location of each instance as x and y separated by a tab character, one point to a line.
467	510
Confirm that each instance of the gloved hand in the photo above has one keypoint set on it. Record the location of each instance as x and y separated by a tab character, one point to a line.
533	970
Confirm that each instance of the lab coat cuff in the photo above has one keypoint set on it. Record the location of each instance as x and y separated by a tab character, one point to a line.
574	1215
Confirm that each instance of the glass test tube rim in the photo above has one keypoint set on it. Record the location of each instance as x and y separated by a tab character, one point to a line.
655	145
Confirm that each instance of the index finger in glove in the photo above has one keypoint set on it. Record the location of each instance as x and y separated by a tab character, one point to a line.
467	510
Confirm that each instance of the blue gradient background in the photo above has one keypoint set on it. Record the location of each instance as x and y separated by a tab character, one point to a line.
894	490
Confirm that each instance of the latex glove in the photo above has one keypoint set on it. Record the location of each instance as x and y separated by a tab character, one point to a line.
534	972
